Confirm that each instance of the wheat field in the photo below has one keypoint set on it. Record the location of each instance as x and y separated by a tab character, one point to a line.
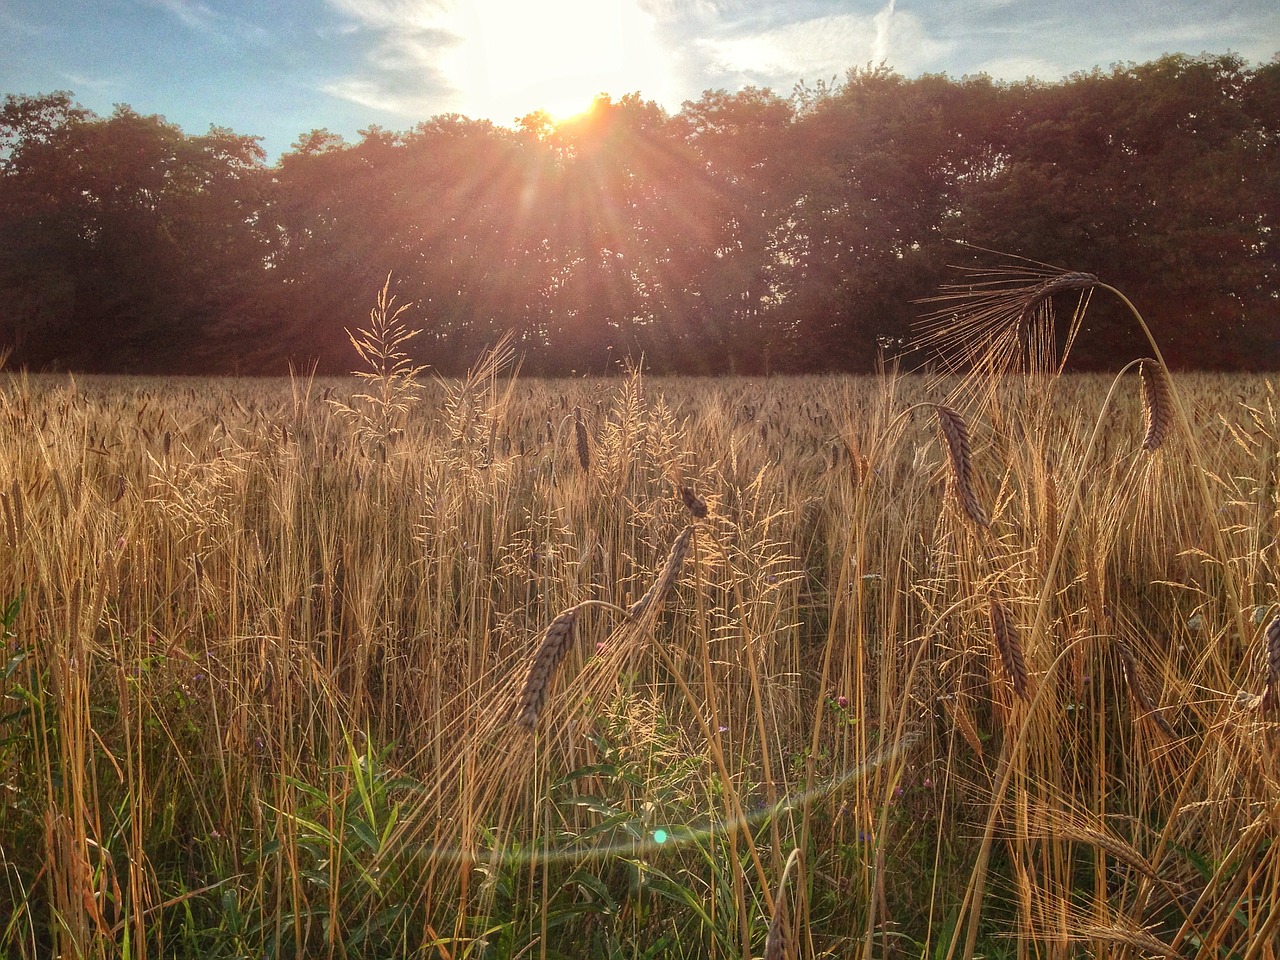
890	666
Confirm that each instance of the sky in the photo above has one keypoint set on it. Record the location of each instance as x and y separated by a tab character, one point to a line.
279	68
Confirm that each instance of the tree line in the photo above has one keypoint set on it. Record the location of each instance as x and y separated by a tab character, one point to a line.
749	232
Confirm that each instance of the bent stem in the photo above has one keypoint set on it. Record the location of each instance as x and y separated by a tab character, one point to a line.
1184	423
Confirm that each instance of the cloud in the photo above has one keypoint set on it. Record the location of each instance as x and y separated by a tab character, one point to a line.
494	58
201	18
822	46
400	51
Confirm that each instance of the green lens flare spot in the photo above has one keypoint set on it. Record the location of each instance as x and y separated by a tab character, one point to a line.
659	836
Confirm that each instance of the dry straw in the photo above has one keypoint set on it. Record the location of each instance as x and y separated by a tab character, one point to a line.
960	453
670	571
1157	404
537	682
1010	647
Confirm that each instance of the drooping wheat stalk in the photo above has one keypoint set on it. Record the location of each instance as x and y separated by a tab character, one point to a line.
556	642
960	455
665	580
1010	648
1157	404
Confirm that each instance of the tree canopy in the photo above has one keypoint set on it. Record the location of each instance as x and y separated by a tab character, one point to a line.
749	232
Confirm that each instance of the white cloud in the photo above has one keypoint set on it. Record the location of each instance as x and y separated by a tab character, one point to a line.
201	18
826	45
497	58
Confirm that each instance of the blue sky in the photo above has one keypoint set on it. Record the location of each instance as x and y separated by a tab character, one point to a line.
278	68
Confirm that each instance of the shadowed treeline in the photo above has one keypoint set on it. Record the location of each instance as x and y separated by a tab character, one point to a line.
747	233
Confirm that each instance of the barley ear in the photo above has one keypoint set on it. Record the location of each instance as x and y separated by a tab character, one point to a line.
1157	404
537	682
960	455
1010	647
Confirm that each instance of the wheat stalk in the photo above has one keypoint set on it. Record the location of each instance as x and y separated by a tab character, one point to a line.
1157	404
960	455
1010	647
670	571
537	682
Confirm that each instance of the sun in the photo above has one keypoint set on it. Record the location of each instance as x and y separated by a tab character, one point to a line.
558	56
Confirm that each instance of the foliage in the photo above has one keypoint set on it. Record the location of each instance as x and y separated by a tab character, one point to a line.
746	233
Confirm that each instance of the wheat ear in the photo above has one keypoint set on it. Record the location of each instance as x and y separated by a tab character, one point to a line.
580	432
1272	694
670	571
1157	404
1133	679
960	454
1063	283
775	944
542	669
779	940
1010	647
694	503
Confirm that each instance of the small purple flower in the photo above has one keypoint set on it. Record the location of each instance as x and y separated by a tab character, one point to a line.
198	678
842	702
928	783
